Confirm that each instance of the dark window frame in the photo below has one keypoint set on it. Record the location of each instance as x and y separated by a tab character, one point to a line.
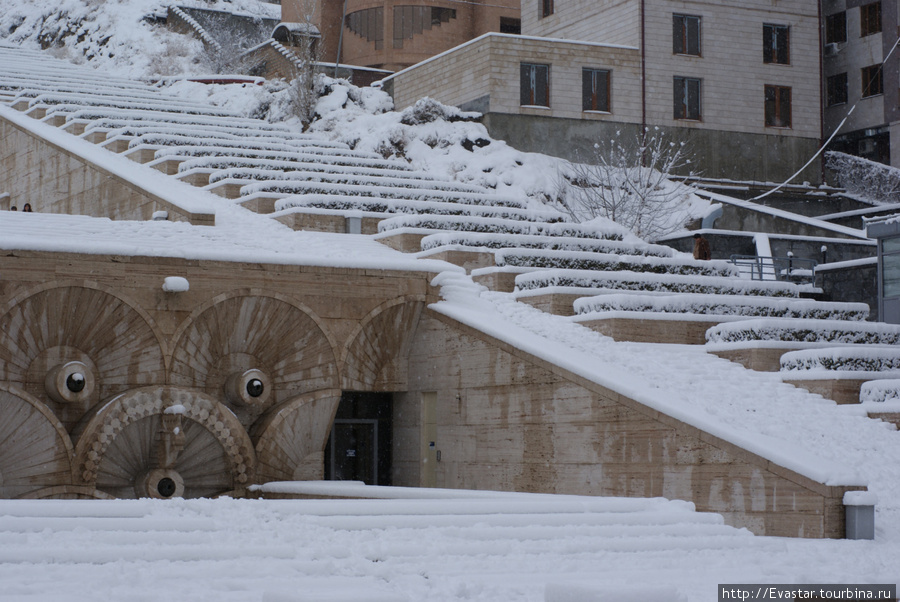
687	92
836	89
534	85
872	81
776	44
869	19
596	90
687	35
778	107
836	28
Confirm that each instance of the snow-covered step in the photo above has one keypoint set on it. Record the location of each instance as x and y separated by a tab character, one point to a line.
607	262
493	241
743	306
637	281
409	201
503	545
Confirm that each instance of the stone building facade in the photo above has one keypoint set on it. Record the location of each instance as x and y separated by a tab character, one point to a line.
739	82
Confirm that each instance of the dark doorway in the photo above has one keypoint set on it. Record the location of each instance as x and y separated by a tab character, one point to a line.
359	448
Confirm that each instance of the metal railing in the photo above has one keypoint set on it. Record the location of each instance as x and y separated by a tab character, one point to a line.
784	269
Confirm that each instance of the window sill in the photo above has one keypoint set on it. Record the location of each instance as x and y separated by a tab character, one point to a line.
692	56
534	107
593	112
872	96
778	127
686	119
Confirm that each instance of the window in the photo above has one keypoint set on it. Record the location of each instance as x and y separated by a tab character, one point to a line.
869	19
368	24
872	82
836	28
410	21
778	107
535	85
595	90
686	35
510	25
776	44
546	8
836	90
687	98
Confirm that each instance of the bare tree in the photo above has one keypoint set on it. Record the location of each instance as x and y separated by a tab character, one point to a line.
628	182
305	81
305	54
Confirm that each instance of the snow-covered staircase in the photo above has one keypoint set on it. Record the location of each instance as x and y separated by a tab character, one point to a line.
282	549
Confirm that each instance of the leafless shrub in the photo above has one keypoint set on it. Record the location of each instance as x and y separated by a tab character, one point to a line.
628	181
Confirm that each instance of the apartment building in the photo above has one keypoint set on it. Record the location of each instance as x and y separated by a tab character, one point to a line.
394	34
861	74
739	81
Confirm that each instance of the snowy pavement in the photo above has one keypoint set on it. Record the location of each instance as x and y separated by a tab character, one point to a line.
503	547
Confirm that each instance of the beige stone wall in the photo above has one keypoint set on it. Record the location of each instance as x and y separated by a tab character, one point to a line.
489	66
603	21
508	421
731	65
53	180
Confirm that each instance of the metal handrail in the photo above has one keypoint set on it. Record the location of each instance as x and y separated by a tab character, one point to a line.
784	269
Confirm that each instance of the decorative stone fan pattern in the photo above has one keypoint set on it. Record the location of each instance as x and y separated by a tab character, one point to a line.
118	444
265	333
291	438
375	357
116	337
35	451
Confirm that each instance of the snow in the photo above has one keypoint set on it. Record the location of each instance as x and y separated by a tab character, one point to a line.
175	284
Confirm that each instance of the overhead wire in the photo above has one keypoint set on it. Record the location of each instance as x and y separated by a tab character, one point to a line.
830	138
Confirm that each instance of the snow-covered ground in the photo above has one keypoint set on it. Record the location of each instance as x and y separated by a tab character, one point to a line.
447	546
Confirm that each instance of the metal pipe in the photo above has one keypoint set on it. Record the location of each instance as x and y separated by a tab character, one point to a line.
337	60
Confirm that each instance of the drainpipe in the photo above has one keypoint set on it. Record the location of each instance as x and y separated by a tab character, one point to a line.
337	61
643	71
643	80
821	87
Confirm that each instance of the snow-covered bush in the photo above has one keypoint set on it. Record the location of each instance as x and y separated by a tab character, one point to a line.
428	110
574	260
667	283
865	179
423	206
843	359
492	240
476	224
805	331
880	390
724	305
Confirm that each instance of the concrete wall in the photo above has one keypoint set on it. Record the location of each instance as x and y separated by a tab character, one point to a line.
715	153
506	420
53	180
